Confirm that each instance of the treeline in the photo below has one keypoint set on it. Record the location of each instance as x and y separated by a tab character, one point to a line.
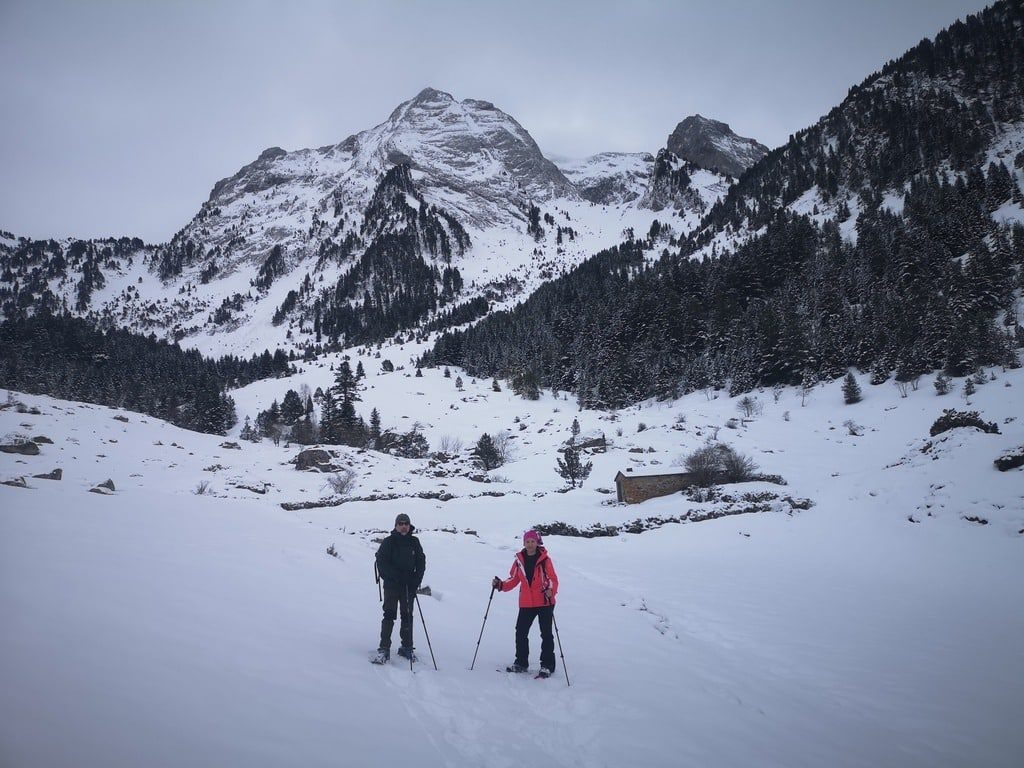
68	358
941	102
933	288
392	286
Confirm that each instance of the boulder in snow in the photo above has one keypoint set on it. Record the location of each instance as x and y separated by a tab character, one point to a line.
25	448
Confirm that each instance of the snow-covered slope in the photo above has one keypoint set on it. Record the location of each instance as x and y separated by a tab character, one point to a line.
609	178
298	222
161	626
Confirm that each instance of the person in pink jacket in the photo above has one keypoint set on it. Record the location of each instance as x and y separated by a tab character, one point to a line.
534	573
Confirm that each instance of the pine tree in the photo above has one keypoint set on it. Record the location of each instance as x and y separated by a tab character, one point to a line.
486	453
851	389
374	432
346	385
292	408
571	468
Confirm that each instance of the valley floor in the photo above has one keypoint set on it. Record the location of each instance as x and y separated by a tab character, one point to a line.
156	626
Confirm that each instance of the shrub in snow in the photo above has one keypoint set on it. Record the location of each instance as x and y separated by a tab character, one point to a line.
942	384
449	445
719	463
1010	460
202	488
951	418
853	428
735	467
342	482
703	464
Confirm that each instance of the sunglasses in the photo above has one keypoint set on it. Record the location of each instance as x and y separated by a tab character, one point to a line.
402	523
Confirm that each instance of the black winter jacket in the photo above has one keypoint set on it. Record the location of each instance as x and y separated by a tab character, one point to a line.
400	561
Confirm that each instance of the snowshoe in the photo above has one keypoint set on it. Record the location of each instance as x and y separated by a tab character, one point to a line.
544	673
517	668
407	653
381	657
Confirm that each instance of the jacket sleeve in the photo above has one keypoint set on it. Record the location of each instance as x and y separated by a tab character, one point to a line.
515	576
421	564
552	576
384	565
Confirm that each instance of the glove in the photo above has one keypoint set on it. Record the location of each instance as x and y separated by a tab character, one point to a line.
547	594
496	583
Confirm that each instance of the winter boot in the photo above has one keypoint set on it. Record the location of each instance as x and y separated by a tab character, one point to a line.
383	654
544	672
406	652
518	668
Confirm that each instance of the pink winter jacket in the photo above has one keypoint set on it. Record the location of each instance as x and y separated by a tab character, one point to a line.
532	595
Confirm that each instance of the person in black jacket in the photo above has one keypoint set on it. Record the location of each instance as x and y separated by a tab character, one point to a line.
401	565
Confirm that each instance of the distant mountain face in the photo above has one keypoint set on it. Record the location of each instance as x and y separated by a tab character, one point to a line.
445	203
609	178
942	112
888	236
712	145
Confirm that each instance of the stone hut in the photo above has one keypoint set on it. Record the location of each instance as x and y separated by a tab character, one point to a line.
634	489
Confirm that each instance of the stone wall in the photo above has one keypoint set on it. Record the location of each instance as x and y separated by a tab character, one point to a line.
638	488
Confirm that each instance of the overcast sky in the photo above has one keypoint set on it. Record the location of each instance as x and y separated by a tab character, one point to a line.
119	116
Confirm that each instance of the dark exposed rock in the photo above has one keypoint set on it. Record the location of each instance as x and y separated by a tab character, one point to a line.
316	459
57	474
26	448
42	440
711	144
1010	460
17	482
108	484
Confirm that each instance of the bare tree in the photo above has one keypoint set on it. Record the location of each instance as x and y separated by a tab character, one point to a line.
749	406
504	446
342	482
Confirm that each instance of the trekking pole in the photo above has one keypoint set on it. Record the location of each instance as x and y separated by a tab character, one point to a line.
376	577
425	633
411	618
482	629
555	622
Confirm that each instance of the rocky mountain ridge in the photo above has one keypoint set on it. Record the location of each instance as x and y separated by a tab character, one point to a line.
711	144
293	237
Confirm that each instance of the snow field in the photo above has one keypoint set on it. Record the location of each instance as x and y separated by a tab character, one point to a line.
161	627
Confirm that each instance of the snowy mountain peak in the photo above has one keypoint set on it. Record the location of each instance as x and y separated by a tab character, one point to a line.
463	146
712	144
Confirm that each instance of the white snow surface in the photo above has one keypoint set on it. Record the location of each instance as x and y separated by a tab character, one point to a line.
156	626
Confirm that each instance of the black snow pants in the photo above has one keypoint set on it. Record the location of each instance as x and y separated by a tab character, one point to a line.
395	598
545	614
